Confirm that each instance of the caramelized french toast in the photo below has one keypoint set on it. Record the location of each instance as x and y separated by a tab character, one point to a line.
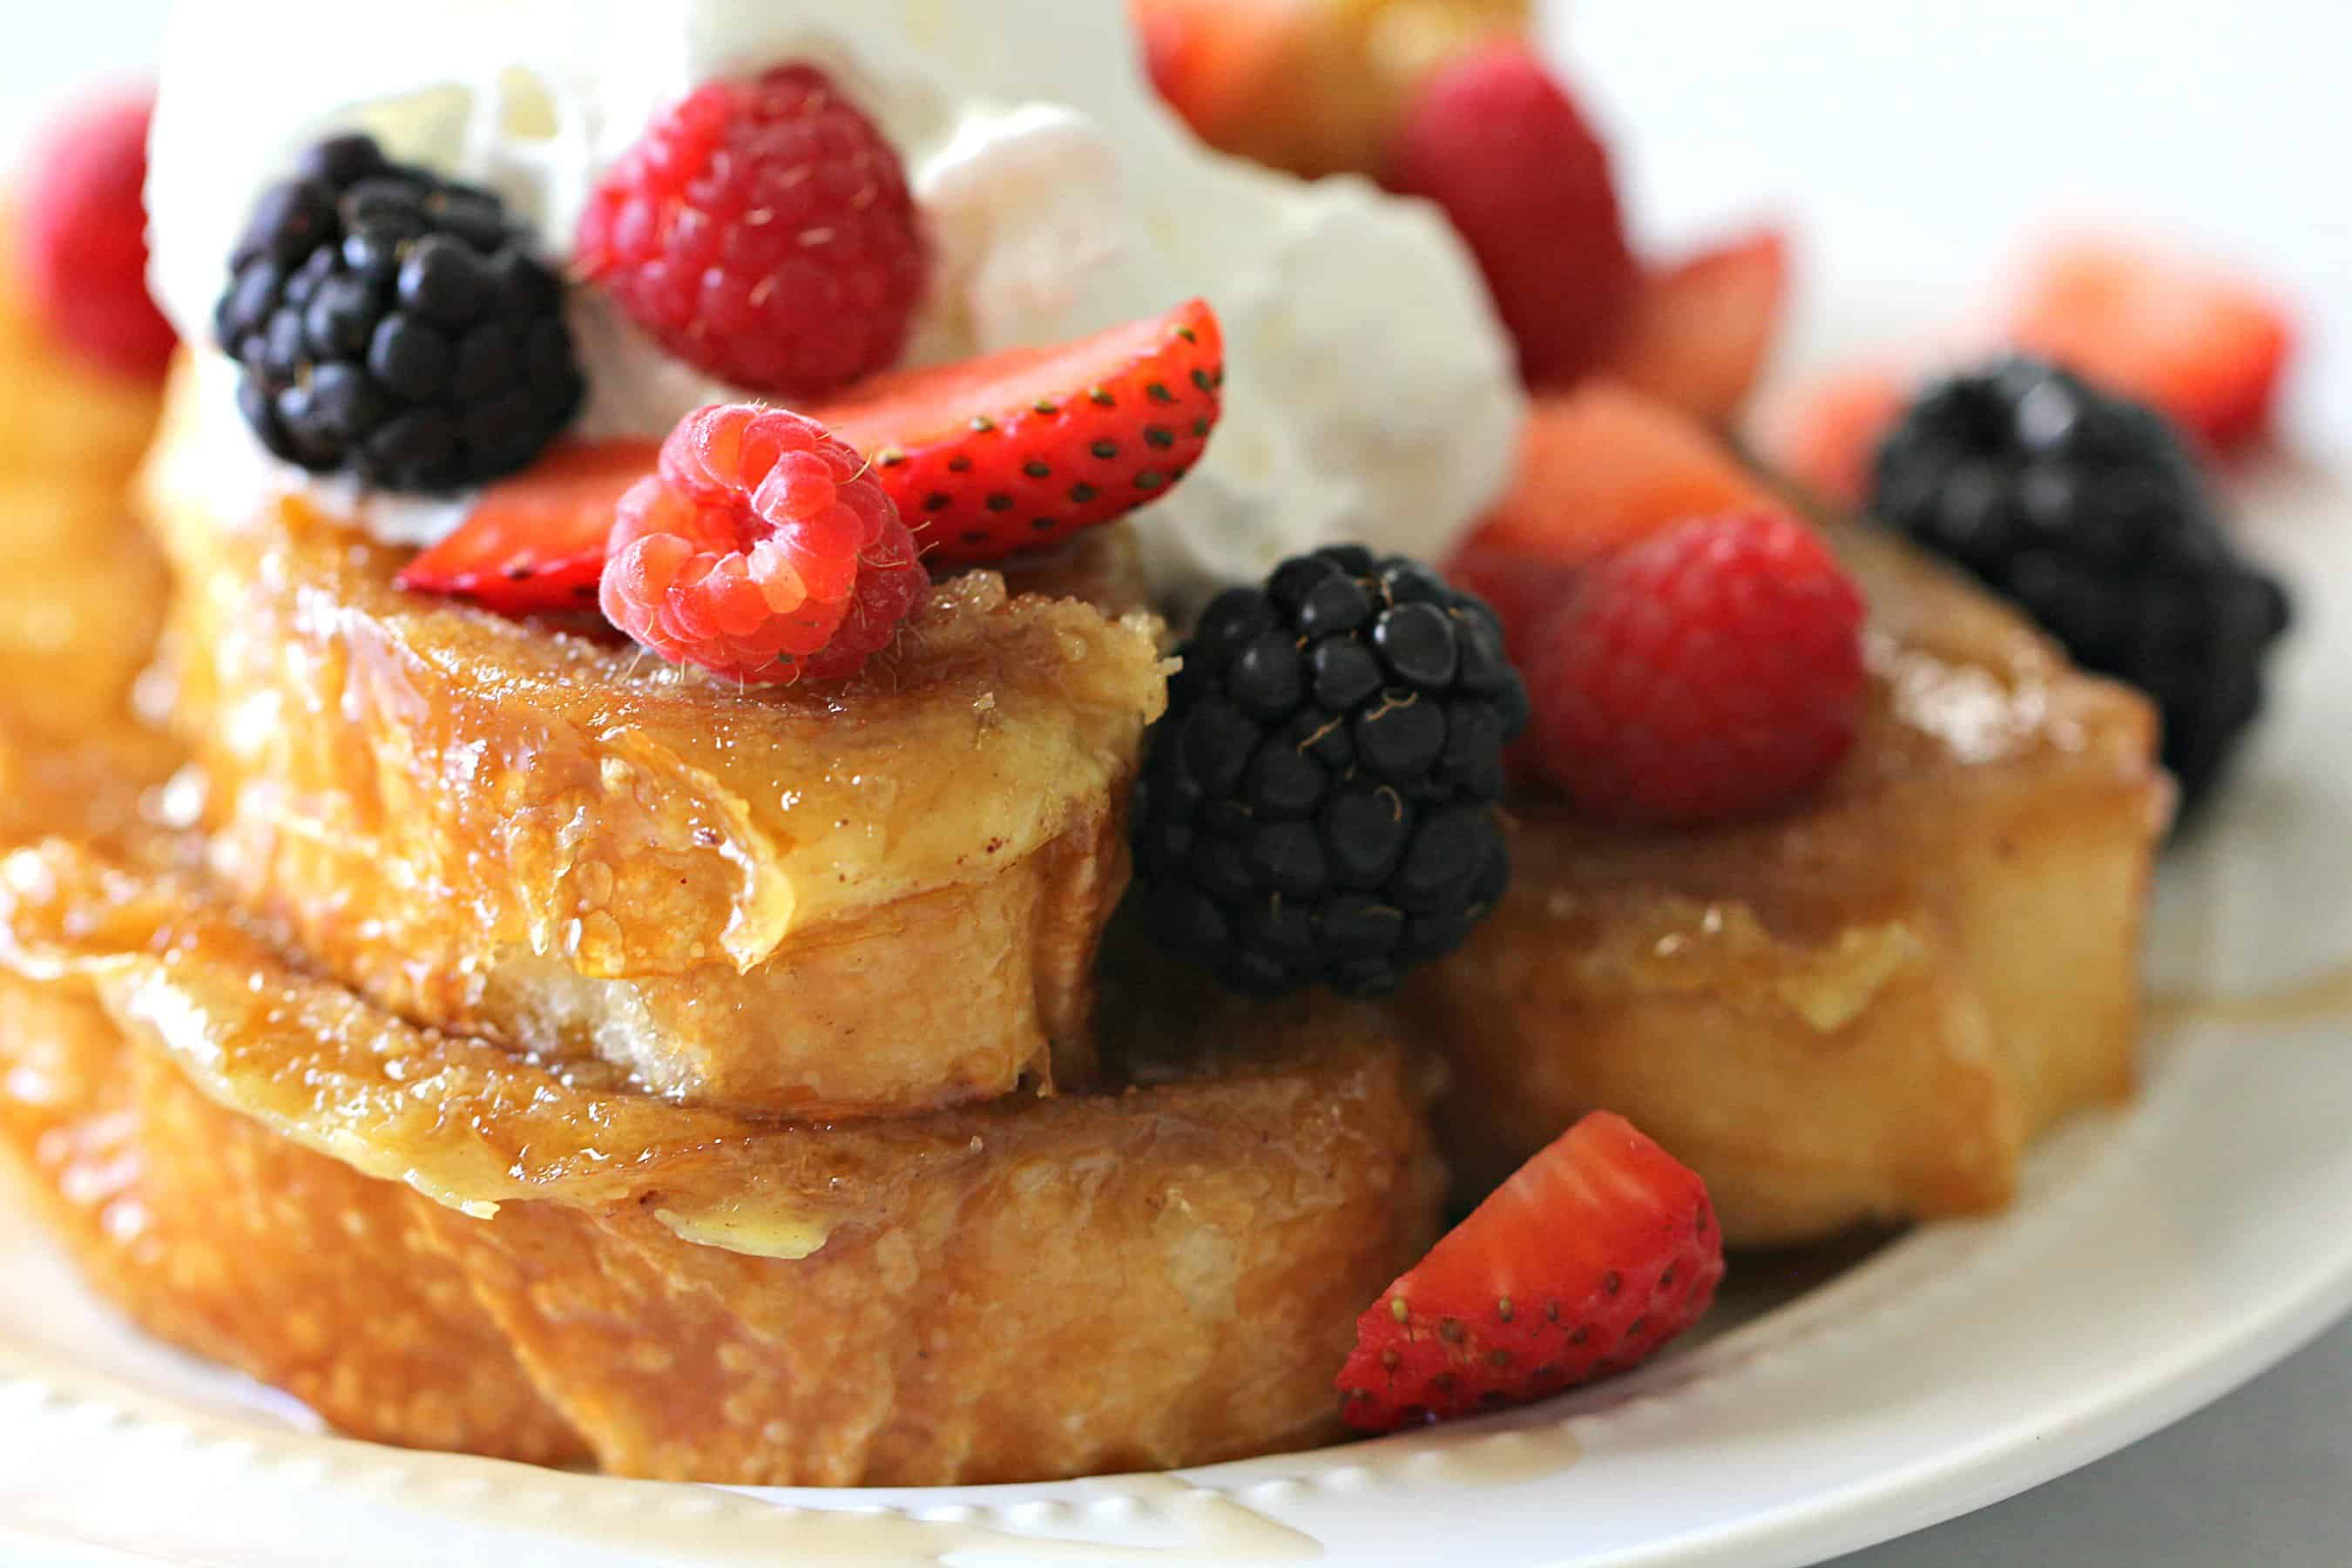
1864	1008
430	1239
879	897
541	1263
81	590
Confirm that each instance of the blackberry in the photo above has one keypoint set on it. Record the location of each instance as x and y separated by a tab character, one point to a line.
1319	803
2089	511
391	324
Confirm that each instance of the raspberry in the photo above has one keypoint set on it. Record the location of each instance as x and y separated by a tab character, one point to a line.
1708	672
85	237
762	551
763	232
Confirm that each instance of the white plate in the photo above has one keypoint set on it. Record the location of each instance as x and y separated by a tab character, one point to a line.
2156	1258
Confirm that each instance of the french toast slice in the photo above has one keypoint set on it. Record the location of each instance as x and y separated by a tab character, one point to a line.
1862	1009
879	897
435	1241
81	590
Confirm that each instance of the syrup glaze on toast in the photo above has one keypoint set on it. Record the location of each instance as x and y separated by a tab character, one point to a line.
873	898
1860	1009
1165	1272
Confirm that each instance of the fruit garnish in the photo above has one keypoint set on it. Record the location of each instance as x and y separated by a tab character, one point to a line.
1824	434
1709	673
392	325
762	550
1495	140
1599	1251
1697	333
2206	348
1315	87
537	542
85	236
2088	511
762	231
1023	448
1319	806
1602	466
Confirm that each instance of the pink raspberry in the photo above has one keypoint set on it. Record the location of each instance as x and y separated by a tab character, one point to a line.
762	231
763	550
1708	672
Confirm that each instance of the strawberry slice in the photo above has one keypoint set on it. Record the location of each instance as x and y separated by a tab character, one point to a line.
1599	1250
536	542
1603	465
1698	332
1494	139
983	458
1023	448
2206	348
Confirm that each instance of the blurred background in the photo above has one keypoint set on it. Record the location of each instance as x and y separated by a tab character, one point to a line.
1914	147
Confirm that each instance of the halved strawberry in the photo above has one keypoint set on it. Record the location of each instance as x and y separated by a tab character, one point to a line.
1697	333
2205	348
1824	434
1494	139
1599	1250
1025	447
536	542
1604	465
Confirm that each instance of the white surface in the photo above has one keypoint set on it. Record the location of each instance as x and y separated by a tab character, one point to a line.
2158	1257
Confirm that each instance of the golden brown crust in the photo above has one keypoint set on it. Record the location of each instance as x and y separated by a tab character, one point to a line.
1157	1275
81	590
215	1235
1864	1008
550	837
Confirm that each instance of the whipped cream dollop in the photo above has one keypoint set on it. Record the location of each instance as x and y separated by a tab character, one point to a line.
1369	392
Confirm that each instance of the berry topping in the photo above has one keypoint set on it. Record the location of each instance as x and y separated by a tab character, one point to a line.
1493	140
2088	511
763	550
2205	349
1711	672
1023	448
762	231
1599	1251
1602	466
1697	333
85	250
537	542
1319	802
393	325
1316	87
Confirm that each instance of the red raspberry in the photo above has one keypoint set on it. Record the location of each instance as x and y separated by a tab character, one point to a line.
762	550
763	232
85	235
1711	671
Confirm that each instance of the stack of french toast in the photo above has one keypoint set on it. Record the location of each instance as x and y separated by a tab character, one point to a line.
506	1049
506	1040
